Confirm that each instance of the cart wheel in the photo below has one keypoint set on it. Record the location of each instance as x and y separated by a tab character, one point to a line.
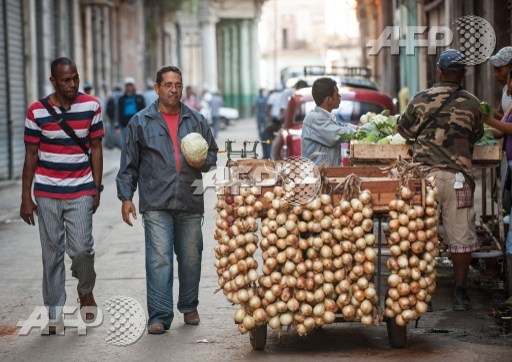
259	337
397	335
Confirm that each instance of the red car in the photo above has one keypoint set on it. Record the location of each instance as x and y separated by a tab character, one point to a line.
354	103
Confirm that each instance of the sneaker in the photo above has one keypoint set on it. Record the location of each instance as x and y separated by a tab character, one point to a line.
156	328
89	306
191	318
461	301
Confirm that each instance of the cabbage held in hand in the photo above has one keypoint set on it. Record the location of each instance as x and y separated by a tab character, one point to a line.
195	148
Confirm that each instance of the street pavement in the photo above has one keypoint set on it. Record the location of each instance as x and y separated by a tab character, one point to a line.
442	334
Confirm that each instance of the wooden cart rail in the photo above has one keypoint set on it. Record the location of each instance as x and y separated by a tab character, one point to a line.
385	154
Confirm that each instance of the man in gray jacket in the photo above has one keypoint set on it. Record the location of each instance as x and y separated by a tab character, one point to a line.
172	213
321	131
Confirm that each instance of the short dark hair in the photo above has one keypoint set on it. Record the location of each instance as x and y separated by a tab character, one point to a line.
323	88
166	69
60	61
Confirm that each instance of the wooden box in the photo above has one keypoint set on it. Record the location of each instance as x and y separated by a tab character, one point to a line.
385	154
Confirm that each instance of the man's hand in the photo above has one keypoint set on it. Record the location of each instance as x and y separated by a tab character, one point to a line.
197	165
96	200
27	210
127	209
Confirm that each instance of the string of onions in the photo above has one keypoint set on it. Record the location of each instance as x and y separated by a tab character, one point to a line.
414	245
235	232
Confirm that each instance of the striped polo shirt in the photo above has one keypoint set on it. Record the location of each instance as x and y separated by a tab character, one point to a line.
63	170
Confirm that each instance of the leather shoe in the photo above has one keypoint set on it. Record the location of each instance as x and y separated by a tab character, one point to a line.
156	328
192	318
89	306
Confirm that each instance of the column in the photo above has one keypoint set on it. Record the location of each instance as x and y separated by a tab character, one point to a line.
245	69
87	72
207	21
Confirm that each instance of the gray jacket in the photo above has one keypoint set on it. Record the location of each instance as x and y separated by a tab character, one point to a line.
320	140
147	160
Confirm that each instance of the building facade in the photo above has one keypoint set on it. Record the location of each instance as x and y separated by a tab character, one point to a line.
416	69
212	41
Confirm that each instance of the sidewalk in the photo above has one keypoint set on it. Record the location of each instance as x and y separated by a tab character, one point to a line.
10	190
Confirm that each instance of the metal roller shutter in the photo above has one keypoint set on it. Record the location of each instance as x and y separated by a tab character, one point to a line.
4	130
16	84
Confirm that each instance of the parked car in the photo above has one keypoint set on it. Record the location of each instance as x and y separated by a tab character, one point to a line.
354	103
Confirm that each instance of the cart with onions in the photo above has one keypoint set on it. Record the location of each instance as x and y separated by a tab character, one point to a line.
290	260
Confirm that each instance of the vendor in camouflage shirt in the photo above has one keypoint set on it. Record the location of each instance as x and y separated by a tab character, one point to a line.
445	142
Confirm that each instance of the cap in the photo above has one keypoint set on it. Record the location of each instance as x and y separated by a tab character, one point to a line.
129	80
451	60
502	57
88	85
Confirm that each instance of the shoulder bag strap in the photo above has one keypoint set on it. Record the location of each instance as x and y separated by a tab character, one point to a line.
436	113
65	126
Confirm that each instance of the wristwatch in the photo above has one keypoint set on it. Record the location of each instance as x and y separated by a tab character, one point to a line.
99	187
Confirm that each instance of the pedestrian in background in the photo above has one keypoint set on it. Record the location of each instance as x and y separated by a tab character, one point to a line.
191	99
88	88
112	111
445	122
67	186
259	109
502	129
320	140
149	95
502	63
172	213
216	102
128	105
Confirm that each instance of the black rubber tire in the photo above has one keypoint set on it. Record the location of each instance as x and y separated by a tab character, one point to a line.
397	335
259	337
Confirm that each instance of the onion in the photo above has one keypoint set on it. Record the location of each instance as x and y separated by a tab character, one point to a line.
400	321
421	307
370	292
348	312
249	322
319	295
366	306
356	204
293	305
329	317
286	319
309	323
394	280
319	310
403	289
240	315
274	322
259	315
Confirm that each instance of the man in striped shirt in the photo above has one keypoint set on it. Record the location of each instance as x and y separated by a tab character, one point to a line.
67	186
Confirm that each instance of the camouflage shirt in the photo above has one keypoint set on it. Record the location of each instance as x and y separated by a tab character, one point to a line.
446	142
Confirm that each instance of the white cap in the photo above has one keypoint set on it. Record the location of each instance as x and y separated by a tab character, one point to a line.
129	80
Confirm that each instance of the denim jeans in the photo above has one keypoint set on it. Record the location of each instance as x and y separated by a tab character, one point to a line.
168	231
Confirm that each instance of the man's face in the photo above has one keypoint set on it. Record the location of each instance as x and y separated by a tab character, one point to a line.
66	81
170	89
335	98
129	89
501	73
